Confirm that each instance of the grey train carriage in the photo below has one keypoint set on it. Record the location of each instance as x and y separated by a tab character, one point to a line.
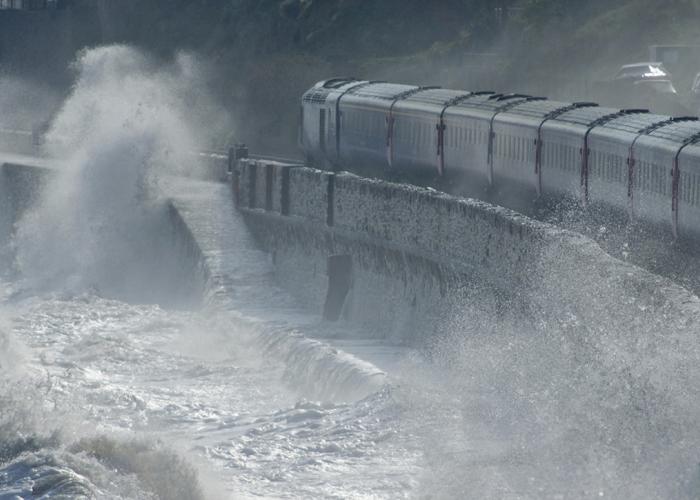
632	160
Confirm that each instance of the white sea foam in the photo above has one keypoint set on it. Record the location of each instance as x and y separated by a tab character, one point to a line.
126	122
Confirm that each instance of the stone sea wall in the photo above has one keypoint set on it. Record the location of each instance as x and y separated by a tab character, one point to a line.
405	261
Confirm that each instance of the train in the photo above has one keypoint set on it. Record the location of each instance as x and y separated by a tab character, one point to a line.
640	163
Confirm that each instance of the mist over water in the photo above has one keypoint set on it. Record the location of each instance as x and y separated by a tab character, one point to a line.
106	391
123	127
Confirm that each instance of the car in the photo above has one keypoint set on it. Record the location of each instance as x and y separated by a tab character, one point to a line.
646	75
658	86
695	87
641	71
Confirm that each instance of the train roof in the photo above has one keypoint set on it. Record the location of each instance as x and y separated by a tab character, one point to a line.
492	102
635	123
437	96
382	90
538	108
586	116
339	83
678	130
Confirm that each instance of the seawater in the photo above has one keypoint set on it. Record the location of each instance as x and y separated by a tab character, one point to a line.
107	399
122	377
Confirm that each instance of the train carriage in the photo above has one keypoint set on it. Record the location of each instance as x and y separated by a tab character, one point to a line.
475	116
609	151
687	209
564	161
365	122
647	165
419	132
518	144
465	139
652	163
316	106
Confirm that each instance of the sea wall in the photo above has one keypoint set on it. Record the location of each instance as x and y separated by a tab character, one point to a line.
20	187
407	262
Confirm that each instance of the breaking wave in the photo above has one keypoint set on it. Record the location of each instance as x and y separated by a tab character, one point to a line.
99	224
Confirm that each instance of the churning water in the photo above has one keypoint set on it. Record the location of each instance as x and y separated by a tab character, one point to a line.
116	381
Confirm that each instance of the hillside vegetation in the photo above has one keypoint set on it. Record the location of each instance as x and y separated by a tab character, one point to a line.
264	53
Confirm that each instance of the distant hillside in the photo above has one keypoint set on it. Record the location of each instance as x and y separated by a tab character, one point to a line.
264	53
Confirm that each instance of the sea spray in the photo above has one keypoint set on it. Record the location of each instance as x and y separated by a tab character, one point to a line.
126	123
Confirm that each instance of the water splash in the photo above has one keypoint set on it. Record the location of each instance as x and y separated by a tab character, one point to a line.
127	122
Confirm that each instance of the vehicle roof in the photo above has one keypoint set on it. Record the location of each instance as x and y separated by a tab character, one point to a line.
337	83
634	123
537	109
678	131
438	97
648	63
586	116
381	90
317	95
492	102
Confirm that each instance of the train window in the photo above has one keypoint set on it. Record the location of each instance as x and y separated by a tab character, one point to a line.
685	184
690	181
558	155
605	165
519	155
572	158
562	159
561	155
513	150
